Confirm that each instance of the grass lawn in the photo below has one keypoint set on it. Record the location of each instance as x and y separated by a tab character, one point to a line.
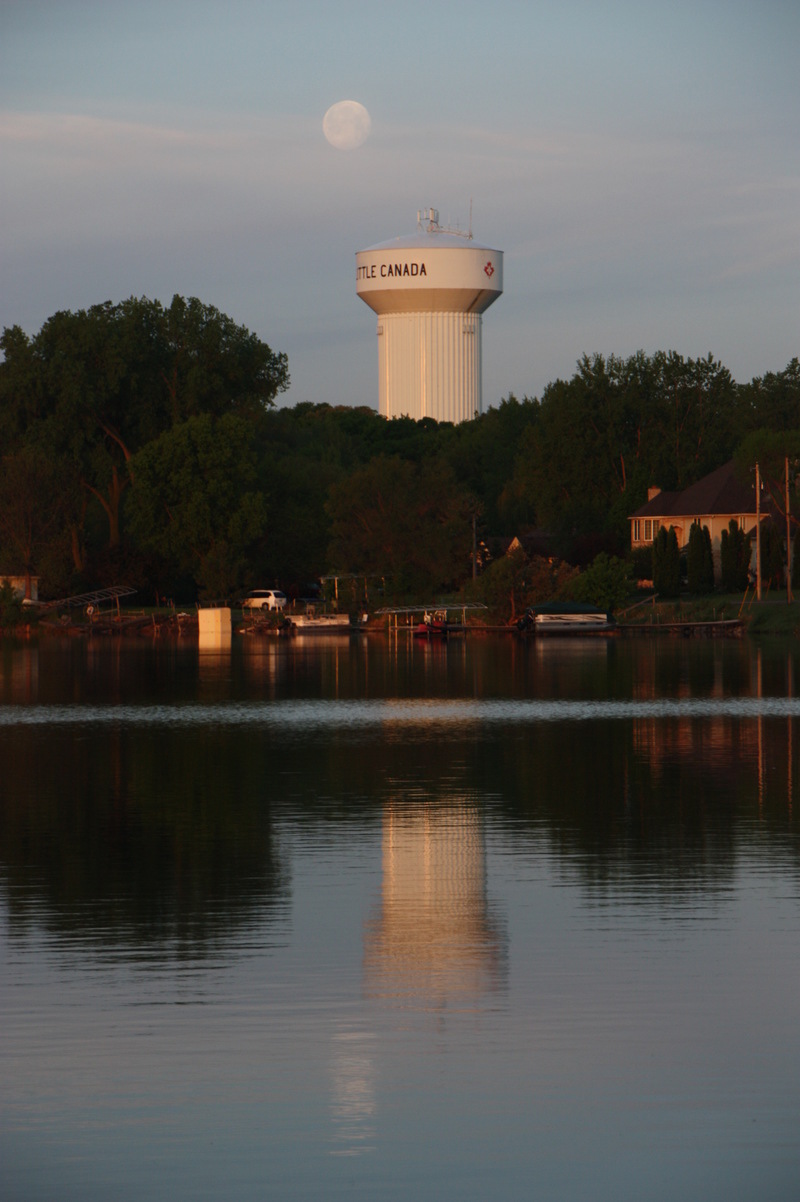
771	615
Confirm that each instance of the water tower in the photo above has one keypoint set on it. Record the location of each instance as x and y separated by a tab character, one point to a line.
429	291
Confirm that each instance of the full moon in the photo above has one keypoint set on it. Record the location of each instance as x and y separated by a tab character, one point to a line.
346	124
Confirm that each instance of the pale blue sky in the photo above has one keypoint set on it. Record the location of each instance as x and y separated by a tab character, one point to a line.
638	163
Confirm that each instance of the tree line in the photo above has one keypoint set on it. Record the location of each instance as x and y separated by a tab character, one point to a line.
142	444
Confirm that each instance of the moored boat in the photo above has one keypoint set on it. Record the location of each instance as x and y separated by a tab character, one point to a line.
433	625
316	623
566	617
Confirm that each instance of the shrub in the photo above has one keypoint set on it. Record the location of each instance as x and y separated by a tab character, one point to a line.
606	583
642	563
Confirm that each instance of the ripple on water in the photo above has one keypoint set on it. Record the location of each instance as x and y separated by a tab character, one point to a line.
363	714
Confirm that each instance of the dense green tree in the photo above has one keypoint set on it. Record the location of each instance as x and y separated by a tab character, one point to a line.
770	402
771	449
408	523
303	452
482	453
618	426
197	500
21	401
514	581
505	586
694	417
94	389
294	550
606	583
95	386
210	364
34	500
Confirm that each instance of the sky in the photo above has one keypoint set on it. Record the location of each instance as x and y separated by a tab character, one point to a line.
638	164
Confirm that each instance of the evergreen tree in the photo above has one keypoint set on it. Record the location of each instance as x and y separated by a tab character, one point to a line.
727	557
707	577
666	564
694	559
734	558
659	551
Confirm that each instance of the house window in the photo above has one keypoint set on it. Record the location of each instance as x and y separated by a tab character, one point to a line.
636	530
648	530
742	523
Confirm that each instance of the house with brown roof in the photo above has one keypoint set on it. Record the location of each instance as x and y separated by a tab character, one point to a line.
714	502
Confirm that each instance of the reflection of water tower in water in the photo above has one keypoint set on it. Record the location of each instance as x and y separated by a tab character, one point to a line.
429	291
434	939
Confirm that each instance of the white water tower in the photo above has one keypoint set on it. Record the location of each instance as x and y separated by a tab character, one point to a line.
429	291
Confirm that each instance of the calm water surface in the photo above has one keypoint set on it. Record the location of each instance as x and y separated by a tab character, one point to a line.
381	920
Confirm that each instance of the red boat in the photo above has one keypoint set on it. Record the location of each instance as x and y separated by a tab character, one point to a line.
432	626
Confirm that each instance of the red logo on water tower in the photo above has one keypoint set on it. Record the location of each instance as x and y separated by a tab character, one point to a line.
489	268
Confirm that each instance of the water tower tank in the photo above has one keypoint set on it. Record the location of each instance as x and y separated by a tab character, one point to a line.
429	291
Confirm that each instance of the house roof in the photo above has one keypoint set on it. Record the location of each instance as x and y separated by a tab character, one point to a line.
533	542
721	492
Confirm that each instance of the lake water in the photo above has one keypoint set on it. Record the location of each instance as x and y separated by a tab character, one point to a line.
390	920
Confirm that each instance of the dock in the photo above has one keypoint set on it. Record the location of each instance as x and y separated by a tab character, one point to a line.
724	628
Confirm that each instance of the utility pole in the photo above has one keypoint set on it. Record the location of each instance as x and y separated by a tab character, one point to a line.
789	597
758	533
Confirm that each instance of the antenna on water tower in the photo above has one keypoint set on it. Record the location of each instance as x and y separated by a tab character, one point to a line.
432	218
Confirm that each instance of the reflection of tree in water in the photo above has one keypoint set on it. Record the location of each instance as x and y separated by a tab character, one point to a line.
135	835
168	834
657	806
